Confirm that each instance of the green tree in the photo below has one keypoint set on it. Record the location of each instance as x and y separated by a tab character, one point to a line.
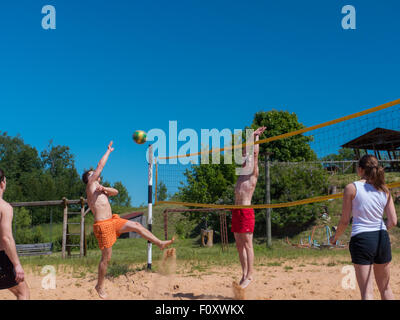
290	182
59	163
18	159
162	192
122	199
208	183
343	155
31	177
22	227
294	148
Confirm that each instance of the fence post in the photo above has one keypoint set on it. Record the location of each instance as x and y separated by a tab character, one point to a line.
268	199
64	235
82	231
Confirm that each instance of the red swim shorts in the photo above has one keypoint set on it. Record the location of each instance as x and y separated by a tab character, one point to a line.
243	220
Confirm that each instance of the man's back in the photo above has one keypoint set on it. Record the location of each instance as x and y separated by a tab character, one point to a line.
4	208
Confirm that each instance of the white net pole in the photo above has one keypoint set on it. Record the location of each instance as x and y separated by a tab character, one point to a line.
150	206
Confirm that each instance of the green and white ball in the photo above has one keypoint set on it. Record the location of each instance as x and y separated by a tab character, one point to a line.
139	136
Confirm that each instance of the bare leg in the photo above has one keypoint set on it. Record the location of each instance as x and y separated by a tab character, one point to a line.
21	291
364	279
138	228
382	276
105	259
242	255
248	245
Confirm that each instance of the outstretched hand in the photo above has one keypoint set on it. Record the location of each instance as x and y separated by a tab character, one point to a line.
110	148
259	131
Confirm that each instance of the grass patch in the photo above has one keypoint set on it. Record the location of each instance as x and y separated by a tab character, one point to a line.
274	264
116	270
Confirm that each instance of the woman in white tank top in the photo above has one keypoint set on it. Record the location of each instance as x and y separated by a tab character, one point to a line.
367	200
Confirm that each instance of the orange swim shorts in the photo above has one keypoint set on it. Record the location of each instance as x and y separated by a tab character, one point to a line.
106	231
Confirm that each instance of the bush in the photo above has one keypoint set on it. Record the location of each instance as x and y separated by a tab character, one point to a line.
29	236
296	182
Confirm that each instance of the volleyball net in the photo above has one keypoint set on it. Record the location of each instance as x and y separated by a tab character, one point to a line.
303	166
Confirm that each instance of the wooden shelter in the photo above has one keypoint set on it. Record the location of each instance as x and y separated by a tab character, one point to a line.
377	140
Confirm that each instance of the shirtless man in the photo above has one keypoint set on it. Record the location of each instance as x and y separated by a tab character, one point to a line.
243	220
108	227
11	273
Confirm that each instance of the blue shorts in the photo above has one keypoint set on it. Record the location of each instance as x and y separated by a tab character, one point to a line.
368	248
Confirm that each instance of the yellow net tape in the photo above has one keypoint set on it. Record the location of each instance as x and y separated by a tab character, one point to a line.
265	206
293	133
278	137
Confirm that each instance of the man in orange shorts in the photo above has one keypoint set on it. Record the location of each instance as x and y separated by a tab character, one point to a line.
108	227
243	220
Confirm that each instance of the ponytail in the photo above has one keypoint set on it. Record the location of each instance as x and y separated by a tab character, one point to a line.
374	173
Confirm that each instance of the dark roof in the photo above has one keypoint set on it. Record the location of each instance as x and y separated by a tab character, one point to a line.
377	139
131	215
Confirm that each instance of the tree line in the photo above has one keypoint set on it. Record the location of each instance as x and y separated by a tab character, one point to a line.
47	175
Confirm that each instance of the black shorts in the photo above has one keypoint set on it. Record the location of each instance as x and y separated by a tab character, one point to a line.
370	247
7	272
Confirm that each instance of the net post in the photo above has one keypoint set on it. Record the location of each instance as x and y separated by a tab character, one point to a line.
150	206
156	181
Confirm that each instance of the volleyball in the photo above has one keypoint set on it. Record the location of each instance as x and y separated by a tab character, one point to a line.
139	136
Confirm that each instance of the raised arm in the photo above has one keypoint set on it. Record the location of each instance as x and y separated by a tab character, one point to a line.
110	192
257	134
348	196
102	163
8	243
390	211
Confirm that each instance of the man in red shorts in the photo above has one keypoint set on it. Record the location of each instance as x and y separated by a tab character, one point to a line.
108	227
243	219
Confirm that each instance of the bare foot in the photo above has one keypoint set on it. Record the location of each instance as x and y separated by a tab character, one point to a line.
241	280
101	292
246	283
164	244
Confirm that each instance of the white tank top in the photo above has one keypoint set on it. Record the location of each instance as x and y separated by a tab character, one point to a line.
368	208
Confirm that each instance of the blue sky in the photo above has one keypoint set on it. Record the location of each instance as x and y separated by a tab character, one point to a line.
112	67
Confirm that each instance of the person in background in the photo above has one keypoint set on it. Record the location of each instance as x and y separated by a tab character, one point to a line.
12	275
367	200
